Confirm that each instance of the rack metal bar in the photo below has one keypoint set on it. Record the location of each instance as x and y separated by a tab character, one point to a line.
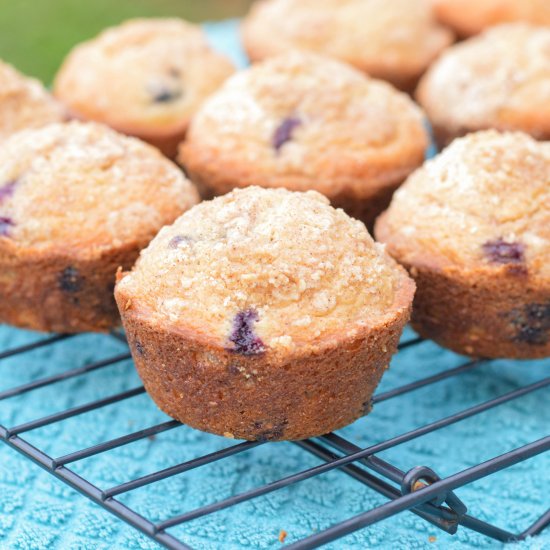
425	494
179	468
397	475
409	343
428	380
537	527
114	443
93	493
322	468
69	413
444	519
352	463
40	383
35	345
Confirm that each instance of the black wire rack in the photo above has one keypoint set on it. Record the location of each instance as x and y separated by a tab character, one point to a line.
419	490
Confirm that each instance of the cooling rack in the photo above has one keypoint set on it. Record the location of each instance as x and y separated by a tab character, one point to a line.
418	490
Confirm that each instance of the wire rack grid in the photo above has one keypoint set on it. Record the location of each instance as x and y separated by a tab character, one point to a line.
419	489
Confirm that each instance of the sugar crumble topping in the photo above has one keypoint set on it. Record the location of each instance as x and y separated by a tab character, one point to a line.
484	199
479	82
84	185
305	269
24	103
376	34
160	70
302	116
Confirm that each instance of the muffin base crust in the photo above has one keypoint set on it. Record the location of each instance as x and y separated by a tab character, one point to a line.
483	317
58	292
268	396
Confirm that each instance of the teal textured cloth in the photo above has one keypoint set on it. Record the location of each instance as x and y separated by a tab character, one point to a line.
39	512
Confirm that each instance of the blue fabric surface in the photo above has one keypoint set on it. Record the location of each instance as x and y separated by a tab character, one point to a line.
38	512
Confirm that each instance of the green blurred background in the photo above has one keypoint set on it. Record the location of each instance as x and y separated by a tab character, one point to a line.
35	35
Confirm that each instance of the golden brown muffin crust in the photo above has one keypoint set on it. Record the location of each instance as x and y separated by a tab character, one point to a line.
468	17
24	103
264	314
500	79
304	121
76	202
390	39
304	268
159	71
473	228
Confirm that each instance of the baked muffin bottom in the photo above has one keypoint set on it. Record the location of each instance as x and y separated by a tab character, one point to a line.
58	292
260	397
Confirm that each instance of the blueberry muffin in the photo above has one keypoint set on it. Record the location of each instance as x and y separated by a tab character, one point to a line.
473	228
77	201
303	121
145	78
394	40
24	103
469	17
499	79
264	314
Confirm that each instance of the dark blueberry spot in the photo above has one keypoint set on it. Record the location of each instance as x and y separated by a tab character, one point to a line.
243	336
139	348
165	95
174	72
501	252
5	225
233	369
70	280
284	132
177	240
7	190
367	406
273	433
532	324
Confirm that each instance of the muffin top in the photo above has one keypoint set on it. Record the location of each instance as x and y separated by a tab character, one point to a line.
258	269
24	103
391	39
309	122
158	71
500	79
81	187
484	202
469	17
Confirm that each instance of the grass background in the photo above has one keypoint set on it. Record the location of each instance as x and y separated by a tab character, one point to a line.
35	35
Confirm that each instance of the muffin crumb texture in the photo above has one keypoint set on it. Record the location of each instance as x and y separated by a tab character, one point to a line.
259	269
